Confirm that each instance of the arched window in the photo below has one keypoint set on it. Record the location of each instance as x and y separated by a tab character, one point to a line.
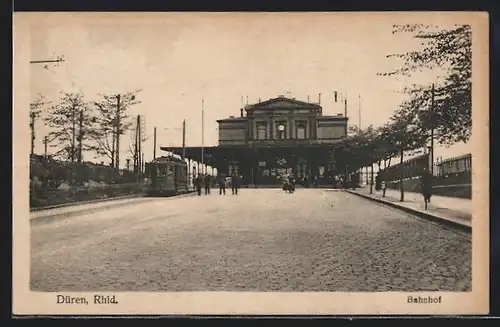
301	132
261	132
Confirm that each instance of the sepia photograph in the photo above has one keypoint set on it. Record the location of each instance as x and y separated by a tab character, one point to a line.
251	163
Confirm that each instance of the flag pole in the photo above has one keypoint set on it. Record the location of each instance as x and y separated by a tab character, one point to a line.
359	110
202	134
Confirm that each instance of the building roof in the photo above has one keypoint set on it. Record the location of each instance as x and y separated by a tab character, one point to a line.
232	118
271	103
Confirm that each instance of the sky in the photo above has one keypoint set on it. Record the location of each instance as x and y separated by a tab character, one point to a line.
178	59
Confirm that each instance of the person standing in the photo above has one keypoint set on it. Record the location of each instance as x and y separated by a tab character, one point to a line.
291	180
222	184
207	182
235	183
426	186
198	185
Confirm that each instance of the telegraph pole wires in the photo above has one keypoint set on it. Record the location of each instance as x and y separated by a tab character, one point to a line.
48	62
56	61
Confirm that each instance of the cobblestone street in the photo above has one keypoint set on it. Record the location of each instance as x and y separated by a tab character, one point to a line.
260	240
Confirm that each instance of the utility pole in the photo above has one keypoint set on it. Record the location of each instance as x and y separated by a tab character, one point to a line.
359	110
136	147
345	115
154	143
142	163
45	142
80	136
73	120
139	135
33	116
183	139
203	133
432	131
118	123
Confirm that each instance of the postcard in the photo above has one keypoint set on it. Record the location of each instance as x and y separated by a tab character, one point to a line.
243	163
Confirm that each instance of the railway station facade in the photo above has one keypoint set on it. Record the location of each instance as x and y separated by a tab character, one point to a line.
274	138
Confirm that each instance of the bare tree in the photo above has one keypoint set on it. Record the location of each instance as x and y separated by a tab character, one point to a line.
72	120
112	122
104	134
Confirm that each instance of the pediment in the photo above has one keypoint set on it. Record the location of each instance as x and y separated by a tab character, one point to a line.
281	103
278	104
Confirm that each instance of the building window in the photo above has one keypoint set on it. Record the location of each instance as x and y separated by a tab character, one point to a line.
301	131
261	132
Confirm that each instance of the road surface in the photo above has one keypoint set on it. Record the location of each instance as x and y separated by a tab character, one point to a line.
259	240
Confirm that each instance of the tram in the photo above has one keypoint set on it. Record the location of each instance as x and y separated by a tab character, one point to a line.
167	176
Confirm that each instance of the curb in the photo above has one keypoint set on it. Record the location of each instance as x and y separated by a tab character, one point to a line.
109	205
425	215
69	204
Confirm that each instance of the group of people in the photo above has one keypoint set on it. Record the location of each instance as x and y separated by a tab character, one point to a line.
205	182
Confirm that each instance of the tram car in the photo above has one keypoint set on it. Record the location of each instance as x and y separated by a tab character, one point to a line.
167	176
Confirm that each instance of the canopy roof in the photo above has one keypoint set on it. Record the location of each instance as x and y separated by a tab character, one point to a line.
216	155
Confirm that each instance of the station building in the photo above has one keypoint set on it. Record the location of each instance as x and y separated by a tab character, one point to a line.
273	138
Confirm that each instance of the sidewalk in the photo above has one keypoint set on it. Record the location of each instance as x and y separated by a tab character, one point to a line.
454	211
92	206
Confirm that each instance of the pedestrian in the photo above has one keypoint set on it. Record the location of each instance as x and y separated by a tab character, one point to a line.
207	181
426	186
235	183
291	181
222	184
198	185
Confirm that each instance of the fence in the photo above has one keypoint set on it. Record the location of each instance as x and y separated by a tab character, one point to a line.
54	182
40	197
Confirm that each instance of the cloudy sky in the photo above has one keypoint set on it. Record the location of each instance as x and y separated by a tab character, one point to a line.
178	59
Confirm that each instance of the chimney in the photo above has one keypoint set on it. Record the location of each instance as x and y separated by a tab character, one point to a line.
241	112
319	98
307	99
